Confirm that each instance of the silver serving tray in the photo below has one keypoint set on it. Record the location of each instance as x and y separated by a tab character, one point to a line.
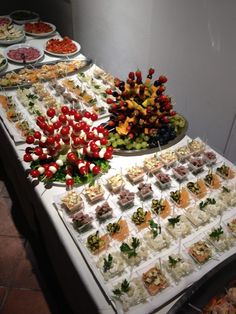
145	151
88	63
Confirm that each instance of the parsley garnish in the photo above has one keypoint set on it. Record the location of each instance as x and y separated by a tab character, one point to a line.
216	233
130	251
32	96
124	289
172	261
225	190
107	263
208	201
173	221
155	228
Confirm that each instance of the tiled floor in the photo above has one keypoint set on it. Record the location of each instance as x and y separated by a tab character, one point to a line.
20	291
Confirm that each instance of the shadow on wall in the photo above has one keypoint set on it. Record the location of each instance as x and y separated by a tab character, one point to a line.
57	12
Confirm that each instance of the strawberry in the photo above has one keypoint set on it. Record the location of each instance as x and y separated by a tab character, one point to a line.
138	74
162	88
151	71
131	75
162	79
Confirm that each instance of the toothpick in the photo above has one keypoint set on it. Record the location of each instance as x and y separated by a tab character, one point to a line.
221	216
179	246
159	219
160	265
109	194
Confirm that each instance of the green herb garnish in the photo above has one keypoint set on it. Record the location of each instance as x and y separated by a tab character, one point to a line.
225	189
123	289
172	261
32	96
216	233
208	201
130	251
155	228
173	221
107	263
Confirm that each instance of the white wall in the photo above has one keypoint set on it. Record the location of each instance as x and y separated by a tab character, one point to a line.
192	41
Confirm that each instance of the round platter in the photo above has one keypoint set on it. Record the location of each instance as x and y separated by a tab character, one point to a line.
14	40
63	54
45	34
24	16
133	152
5	20
17	48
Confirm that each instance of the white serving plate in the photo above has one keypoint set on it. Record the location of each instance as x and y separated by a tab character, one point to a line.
17	46
63	54
14	40
42	34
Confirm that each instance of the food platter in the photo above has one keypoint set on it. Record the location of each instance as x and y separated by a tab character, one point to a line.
145	151
23	53
19	77
37	33
11	34
24	16
62	53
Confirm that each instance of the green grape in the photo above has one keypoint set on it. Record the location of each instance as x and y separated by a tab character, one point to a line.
126	141
120	142
146	138
138	146
117	135
111	139
129	146
139	140
144	144
114	144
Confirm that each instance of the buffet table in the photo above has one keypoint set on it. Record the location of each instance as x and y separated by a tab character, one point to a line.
74	265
